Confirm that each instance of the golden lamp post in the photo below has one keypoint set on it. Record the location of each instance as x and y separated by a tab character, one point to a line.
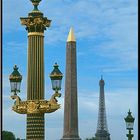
35	106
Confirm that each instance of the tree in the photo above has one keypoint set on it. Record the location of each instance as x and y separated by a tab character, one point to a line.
6	135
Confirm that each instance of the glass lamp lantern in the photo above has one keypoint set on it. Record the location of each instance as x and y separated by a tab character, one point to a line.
129	121
56	78
15	80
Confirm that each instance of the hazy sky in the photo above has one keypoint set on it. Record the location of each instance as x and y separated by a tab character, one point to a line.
106	35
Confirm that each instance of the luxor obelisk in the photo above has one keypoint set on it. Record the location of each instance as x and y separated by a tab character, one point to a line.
71	103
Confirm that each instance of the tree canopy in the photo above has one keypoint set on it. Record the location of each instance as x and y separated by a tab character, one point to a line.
6	135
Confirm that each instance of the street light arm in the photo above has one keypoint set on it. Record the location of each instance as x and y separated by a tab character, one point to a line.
53	98
17	98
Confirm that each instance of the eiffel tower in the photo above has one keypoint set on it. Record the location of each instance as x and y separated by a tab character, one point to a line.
102	130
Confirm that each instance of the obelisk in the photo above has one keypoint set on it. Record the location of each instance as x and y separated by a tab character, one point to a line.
70	131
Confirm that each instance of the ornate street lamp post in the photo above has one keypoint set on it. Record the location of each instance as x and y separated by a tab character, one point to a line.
129	125
35	106
43	106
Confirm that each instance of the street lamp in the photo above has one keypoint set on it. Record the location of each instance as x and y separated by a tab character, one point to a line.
36	106
56	78
129	124
15	80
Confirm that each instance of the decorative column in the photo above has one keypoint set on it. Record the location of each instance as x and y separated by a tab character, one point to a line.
71	103
35	25
36	106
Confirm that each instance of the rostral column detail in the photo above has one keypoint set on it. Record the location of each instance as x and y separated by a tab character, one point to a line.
35	24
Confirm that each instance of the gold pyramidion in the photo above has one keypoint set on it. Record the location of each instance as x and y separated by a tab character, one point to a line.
71	36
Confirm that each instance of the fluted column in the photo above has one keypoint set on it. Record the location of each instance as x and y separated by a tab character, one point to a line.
35	24
35	84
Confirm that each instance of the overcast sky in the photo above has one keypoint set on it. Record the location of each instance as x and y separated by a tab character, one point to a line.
106	36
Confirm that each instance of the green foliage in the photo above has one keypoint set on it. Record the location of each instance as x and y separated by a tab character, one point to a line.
6	135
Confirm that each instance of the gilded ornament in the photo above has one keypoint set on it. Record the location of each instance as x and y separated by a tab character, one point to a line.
35	106
35	33
31	107
35	24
